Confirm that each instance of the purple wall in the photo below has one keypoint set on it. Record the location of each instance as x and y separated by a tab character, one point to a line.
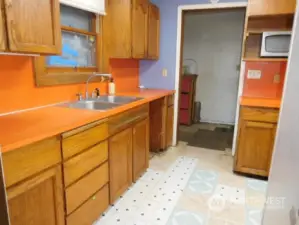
151	71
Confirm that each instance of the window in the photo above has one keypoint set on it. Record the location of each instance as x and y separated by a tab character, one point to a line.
80	53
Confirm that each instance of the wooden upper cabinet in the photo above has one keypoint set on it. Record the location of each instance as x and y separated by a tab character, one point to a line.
255	147
38	200
271	7
153	32
140	148
33	26
139	28
126	30
2	28
117	30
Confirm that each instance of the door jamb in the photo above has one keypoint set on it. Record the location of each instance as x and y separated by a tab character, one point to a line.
179	57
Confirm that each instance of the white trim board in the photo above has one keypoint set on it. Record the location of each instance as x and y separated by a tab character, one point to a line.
182	8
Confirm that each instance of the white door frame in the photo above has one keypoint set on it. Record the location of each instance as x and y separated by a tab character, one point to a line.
182	8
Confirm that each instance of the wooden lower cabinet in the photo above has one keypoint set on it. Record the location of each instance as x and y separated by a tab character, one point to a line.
38	200
157	116
91	210
169	126
120	160
80	191
140	148
161	123
97	170
255	145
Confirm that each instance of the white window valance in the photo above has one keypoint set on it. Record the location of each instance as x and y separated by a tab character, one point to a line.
95	6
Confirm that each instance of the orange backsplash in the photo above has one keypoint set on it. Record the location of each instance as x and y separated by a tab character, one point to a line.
18	90
265	87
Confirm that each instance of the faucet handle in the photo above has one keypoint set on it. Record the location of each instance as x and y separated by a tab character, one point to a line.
79	95
97	90
95	93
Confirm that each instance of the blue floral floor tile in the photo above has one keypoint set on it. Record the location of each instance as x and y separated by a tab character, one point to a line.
254	216
203	181
180	217
257	185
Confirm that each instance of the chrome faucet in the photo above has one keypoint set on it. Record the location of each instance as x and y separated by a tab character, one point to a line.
92	76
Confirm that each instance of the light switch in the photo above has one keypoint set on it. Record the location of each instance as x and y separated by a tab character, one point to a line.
254	74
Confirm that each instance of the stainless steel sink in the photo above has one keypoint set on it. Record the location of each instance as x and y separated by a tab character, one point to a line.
117	99
102	103
93	105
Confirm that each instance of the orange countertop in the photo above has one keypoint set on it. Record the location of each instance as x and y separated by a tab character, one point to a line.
260	102
20	129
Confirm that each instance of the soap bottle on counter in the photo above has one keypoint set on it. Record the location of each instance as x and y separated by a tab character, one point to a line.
111	87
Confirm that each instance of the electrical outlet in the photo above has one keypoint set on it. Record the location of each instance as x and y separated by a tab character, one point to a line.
276	79
254	74
164	72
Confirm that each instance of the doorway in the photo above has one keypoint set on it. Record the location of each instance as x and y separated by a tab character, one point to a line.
211	49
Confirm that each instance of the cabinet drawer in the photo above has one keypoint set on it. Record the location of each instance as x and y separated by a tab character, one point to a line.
260	114
170	100
84	137
123	120
24	162
90	211
80	191
81	164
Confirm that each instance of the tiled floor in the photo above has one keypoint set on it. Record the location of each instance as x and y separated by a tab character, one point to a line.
190	186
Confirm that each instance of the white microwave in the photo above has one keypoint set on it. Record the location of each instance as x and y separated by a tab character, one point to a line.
276	44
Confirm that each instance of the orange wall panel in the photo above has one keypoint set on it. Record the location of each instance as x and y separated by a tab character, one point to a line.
18	90
264	87
125	73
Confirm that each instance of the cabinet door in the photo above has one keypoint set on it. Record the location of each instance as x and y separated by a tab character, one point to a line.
117	42
255	147
271	7
169	126
33	26
120	162
157	121
38	200
2	29
140	148
139	28
153	32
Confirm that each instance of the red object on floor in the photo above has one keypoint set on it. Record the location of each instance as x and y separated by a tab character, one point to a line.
188	87
184	118
185	99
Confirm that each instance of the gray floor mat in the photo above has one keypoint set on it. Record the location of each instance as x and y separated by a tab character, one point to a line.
218	139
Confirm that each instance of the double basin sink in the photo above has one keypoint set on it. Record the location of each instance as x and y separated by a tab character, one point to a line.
102	103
